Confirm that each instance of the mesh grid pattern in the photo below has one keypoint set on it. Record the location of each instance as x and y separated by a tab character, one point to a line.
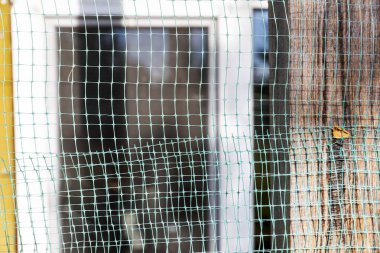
190	126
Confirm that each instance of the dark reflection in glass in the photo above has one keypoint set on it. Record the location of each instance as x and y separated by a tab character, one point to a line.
262	220
260	47
133	107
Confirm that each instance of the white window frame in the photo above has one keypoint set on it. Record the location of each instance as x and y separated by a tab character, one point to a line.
37	135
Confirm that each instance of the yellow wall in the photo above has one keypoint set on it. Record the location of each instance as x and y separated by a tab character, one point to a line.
7	164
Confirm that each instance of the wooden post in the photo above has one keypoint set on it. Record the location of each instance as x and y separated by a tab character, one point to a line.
7	172
334	79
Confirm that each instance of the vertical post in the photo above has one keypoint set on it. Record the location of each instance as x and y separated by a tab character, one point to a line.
334	80
36	126
235	114
7	172
278	66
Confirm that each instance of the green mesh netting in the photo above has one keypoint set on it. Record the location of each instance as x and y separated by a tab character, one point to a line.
190	126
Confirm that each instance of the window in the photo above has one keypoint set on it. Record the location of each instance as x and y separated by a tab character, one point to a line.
134	121
86	47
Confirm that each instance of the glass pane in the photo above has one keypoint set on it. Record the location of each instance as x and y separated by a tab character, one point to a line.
134	114
262	212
